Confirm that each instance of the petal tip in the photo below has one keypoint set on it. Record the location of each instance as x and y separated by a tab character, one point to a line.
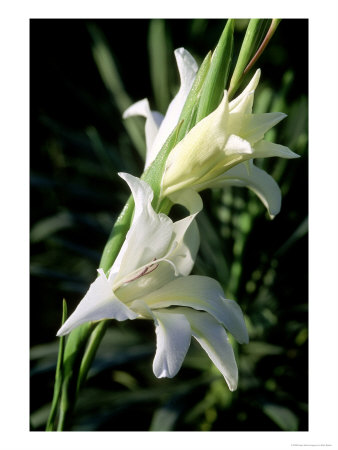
232	388
60	333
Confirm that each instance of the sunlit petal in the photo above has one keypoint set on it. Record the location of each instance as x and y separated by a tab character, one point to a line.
153	121
188	198
99	303
254	126
237	146
201	293
260	182
186	235
197	154
214	341
243	102
185	232
149	234
265	149
173	340
226	138
187	67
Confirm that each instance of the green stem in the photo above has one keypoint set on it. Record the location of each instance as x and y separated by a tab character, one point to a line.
266	40
90	352
73	354
117	236
251	49
62	420
253	35
58	377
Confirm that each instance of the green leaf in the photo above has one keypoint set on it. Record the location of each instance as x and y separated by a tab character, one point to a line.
257	44
273	27
189	111
259	348
158	58
164	418
153	175
117	236
58	376
214	84
111	78
73	353
299	233
90	352
212	249
283	417
249	46
50	225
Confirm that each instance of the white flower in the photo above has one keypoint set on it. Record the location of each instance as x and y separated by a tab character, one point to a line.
150	279
219	150
219	143
157	127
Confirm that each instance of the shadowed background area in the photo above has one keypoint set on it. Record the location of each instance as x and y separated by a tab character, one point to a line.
83	75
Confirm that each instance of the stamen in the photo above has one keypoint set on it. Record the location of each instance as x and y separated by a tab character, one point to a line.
145	271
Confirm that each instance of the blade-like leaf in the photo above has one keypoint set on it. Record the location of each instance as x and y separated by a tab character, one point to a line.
249	46
58	376
158	58
214	84
189	111
282	416
111	78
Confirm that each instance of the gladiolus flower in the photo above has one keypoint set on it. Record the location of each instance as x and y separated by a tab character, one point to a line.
150	280
219	150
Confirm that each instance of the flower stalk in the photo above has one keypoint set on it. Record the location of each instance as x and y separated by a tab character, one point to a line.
253	36
254	44
270	33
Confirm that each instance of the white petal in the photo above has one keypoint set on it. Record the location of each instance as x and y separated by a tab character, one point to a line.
195	158
254	126
187	67
237	146
178	261
243	102
185	232
201	293
142	108
260	182
187	238
142	286
173	341
188	198
214	341
153	122
149	235
142	309
98	303
265	149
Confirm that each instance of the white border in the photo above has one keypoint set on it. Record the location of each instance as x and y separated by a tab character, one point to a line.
14	103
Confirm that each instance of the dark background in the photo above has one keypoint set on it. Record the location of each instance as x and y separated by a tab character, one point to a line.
79	143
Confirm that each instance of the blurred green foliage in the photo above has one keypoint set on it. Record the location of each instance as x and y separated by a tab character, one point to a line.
84	73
